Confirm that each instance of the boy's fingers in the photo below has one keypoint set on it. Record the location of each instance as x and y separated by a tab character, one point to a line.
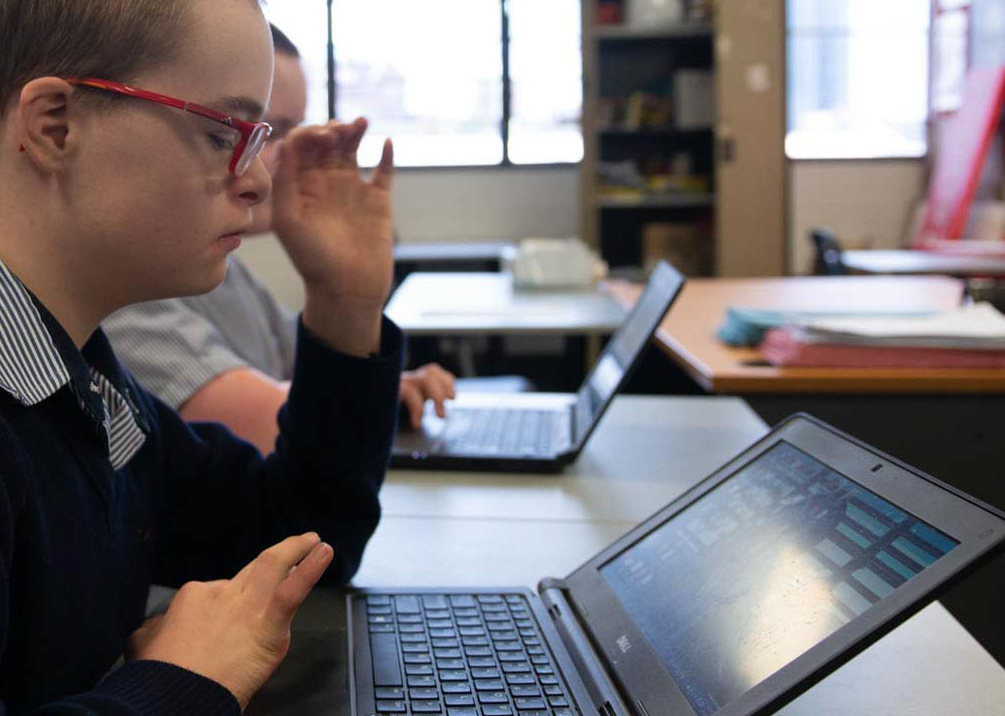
310	146
357	130
413	401
436	390
448	381
385	168
266	571
339	142
441	407
292	591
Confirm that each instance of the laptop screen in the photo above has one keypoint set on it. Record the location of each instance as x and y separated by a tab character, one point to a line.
763	567
631	337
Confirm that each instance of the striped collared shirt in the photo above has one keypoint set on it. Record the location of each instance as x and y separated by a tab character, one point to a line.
32	369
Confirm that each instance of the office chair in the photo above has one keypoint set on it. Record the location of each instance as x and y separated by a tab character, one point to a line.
827	256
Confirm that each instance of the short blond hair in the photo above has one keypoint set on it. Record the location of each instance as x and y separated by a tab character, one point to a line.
110	39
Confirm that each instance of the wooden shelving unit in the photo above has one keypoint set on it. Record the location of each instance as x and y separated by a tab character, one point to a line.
648	181
670	201
619	32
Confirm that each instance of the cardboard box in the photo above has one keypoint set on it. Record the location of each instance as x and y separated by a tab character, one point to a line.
683	246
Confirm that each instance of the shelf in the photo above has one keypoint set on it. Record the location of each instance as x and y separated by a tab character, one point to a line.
672	201
620	61
654	131
669	32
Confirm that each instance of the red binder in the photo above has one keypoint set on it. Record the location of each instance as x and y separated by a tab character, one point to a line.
965	144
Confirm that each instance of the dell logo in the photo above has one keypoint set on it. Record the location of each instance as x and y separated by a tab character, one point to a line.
624	644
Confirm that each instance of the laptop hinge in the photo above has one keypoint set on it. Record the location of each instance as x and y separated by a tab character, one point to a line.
573	424
580	417
588	664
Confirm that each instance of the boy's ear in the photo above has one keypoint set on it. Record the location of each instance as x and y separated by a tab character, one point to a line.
44	122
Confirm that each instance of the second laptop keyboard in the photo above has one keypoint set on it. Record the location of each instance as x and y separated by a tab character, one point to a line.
461	655
499	431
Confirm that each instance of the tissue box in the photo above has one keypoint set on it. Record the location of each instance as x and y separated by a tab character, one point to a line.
654	13
554	263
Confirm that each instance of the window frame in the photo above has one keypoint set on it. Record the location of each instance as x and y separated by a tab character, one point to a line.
506	162
929	75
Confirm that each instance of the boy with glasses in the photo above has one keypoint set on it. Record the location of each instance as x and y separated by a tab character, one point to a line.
227	356
129	133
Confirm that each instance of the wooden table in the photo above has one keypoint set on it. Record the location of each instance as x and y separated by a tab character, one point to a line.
688	334
950	423
484	529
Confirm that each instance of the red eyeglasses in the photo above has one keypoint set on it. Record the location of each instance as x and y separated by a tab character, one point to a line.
253	134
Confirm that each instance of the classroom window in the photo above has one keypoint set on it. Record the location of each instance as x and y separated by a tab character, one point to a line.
546	81
304	23
950	46
857	78
433	75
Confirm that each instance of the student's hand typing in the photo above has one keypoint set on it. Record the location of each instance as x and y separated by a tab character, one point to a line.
337	229
237	631
430	382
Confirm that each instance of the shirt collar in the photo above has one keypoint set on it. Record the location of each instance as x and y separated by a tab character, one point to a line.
38	358
31	368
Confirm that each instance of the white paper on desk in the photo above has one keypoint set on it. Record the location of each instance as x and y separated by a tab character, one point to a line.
974	326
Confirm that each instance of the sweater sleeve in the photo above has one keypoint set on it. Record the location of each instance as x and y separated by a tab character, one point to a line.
139	688
221	502
147	688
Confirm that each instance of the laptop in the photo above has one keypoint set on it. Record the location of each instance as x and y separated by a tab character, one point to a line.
740	594
539	432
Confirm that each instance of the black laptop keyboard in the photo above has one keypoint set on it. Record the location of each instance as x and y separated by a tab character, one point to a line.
491	431
461	655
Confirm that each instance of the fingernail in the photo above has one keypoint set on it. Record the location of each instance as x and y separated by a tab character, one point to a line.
322	551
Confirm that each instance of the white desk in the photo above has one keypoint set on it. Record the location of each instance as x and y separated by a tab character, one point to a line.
908	261
464	529
495	523
461	252
448	303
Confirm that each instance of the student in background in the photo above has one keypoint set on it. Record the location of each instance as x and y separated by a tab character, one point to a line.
227	356
108	196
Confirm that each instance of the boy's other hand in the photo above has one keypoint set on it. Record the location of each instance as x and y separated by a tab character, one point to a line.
337	229
237	631
430	382
336	226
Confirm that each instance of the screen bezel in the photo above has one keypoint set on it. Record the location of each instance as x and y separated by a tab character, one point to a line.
639	670
665	281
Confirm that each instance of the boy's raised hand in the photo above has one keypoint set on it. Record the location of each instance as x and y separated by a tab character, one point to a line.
338	230
237	631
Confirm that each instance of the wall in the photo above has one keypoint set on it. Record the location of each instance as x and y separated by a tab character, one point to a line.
452	205
486	204
867	203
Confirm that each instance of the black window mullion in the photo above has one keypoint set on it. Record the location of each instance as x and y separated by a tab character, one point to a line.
331	64
505	82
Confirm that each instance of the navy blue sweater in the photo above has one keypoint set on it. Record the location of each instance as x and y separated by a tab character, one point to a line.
80	542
